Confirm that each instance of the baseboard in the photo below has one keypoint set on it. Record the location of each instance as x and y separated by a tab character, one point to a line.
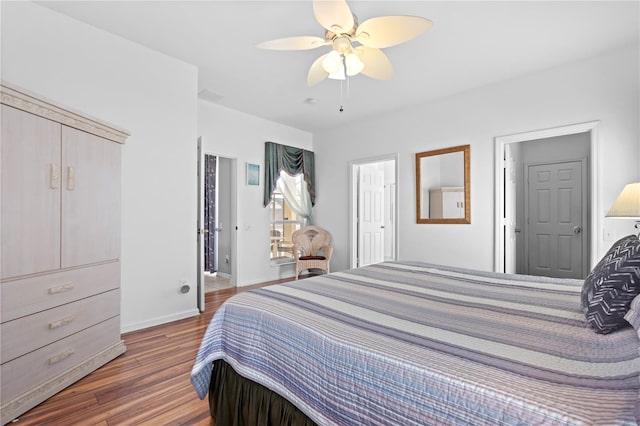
126	328
35	396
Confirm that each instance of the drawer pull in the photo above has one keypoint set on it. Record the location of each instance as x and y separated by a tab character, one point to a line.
62	322
61	288
61	356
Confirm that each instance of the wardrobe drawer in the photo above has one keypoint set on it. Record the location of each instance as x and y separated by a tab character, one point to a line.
29	333
32	369
26	296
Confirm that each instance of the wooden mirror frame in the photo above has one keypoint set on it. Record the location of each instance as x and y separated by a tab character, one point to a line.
466	149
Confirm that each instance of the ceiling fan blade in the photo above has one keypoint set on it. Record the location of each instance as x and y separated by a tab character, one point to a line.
317	72
334	15
376	63
293	43
386	31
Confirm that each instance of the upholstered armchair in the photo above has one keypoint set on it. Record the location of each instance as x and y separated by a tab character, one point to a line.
311	249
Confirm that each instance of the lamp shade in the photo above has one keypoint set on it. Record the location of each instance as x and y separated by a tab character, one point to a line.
338	75
353	64
627	205
332	63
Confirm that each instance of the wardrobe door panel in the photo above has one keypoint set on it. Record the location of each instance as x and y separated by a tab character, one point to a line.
30	193
90	198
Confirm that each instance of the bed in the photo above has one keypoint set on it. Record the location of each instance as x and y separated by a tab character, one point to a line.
410	343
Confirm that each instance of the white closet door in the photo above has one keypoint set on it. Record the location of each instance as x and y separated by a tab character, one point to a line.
370	215
30	193
90	198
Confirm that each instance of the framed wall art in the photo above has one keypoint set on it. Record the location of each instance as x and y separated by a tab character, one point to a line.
253	174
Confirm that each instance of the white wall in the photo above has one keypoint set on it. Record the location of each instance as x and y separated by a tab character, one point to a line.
603	88
233	134
155	98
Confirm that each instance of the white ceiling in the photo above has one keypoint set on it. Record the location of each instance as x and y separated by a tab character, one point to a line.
471	44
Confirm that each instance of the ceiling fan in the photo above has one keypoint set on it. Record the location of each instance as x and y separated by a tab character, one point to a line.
355	48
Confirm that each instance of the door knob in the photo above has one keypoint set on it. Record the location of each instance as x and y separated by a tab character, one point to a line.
577	229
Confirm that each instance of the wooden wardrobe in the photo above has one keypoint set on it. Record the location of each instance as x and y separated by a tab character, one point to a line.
60	259
446	203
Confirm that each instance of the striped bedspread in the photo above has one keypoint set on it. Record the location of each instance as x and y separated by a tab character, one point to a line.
407	343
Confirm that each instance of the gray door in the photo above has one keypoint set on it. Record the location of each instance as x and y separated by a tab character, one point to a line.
556	207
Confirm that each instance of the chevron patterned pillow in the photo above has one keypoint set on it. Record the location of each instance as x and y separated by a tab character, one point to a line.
602	269
609	289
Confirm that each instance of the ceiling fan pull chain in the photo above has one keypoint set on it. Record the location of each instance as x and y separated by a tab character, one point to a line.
341	98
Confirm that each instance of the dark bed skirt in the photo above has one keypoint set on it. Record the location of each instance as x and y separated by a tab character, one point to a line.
237	401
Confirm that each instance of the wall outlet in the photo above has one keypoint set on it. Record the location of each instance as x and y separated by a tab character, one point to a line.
183	286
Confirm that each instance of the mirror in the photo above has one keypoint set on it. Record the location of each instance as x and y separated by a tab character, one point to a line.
443	191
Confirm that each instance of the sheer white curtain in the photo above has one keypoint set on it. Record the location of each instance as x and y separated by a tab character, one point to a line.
294	190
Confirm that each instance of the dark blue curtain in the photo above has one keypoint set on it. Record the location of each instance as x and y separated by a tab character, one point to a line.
293	161
210	219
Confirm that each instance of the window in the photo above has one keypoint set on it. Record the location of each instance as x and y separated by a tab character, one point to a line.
283	221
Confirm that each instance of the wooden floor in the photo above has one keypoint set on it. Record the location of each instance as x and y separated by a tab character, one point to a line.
147	385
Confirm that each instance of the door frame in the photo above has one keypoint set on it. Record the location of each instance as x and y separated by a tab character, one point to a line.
354	166
233	227
593	181
584	213
200	220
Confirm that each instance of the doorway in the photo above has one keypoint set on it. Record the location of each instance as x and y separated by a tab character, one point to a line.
216	223
516	156
217	218
210	230
374	210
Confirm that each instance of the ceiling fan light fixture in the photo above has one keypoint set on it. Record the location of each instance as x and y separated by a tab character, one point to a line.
356	48
332	62
353	64
339	73
342	44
